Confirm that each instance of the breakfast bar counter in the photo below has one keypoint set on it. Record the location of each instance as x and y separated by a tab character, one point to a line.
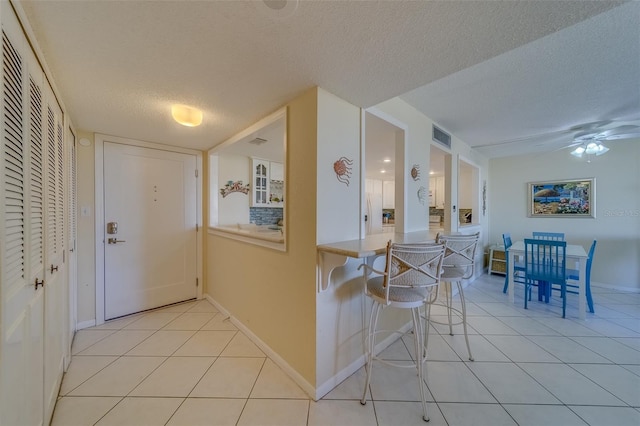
333	255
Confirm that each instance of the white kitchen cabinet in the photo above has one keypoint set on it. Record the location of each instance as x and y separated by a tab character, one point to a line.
373	210
432	192
267	183
276	171
259	182
388	194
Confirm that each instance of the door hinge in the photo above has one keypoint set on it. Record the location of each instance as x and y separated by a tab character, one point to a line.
197	282
196	172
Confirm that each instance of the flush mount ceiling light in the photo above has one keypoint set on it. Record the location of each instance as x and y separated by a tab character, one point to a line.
186	115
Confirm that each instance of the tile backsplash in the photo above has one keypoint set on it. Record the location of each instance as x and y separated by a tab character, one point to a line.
265	215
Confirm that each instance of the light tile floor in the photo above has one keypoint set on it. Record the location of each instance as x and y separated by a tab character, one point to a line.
186	365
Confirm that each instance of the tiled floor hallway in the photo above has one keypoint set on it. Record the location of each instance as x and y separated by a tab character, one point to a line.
185	365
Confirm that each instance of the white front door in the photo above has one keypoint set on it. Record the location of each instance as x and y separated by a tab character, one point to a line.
150	228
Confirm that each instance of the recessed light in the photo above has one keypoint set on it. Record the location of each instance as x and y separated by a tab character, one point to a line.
383	171
387	160
432	172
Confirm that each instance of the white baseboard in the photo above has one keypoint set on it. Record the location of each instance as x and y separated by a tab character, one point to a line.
85	324
615	287
280	362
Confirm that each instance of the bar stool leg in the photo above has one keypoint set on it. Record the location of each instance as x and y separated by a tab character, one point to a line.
449	294
464	318
418	344
371	343
427	316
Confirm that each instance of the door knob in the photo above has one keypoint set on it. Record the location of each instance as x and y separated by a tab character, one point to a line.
115	241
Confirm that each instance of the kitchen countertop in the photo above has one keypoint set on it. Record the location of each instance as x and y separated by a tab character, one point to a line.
260	232
333	255
373	245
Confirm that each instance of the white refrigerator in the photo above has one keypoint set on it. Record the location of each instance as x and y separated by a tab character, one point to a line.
373	212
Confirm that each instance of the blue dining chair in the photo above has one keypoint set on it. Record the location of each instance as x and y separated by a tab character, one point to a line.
551	236
517	267
574	275
545	265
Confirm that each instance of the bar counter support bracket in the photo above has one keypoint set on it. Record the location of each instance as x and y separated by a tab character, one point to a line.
329	262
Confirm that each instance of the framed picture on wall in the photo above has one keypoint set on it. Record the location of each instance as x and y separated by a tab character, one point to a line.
562	198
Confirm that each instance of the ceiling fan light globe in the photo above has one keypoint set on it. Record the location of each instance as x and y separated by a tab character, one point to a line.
602	149
578	152
592	148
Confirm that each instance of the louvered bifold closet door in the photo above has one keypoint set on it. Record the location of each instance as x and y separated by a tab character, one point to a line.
56	292
72	261
21	215
73	192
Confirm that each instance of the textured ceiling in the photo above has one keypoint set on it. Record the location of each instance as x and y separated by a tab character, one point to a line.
536	98
120	64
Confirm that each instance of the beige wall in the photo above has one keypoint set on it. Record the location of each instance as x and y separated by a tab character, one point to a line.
272	292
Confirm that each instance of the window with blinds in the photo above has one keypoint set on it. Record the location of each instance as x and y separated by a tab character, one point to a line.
13	159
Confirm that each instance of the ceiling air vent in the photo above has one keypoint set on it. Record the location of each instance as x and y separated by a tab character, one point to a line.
441	137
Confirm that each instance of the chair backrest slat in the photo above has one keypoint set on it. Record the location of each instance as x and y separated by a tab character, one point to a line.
545	260
551	236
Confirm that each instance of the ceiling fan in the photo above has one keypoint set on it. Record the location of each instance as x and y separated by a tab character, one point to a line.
589	141
579	137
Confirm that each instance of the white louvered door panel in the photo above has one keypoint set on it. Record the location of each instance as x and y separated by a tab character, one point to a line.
21	346
55	294
72	217
36	181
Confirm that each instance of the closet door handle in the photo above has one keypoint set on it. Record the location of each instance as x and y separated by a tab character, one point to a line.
39	283
54	268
